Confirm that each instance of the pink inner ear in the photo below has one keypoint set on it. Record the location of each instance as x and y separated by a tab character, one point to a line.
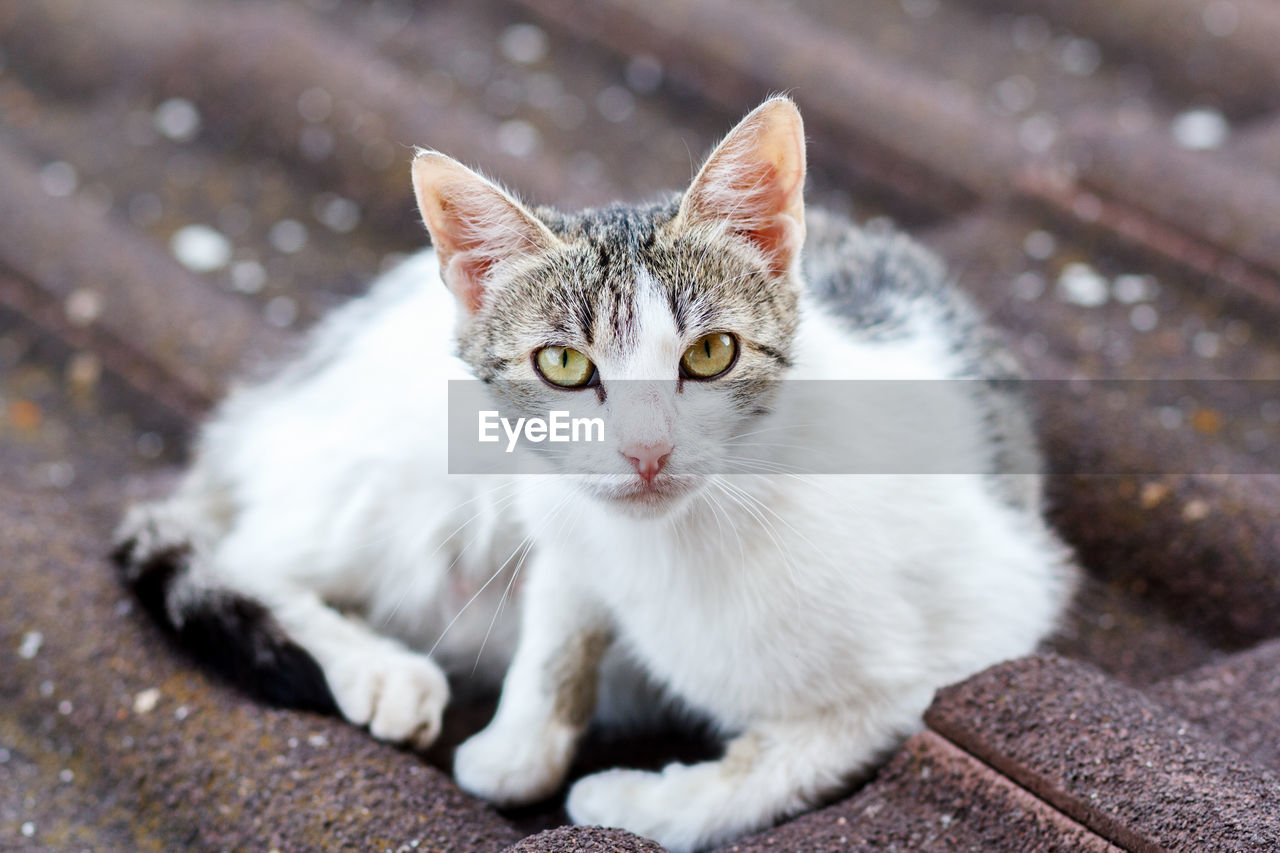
465	274
757	202
474	228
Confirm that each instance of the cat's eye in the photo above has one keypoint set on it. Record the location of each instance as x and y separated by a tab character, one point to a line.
564	366
710	356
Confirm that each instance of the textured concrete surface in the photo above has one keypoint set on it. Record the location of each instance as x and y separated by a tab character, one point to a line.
120	741
933	797
1100	175
584	839
1111	757
1235	701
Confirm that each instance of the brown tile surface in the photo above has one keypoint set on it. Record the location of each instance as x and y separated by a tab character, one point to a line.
158	756
1111	757
1235	701
1017	139
932	797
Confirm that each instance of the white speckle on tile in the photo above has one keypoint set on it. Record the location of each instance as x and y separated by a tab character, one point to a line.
181	712
281	312
178	119
1143	318
1195	510
518	138
288	236
1029	286
150	445
200	248
83	306
59	179
293	743
336	213
616	103
145	701
1016	94
523	43
1206	344
1040	245
61	474
1131	288
248	276
316	143
1080	284
920	9
318	740
1200	129
66	777
28	829
1170	417
644	73
315	105
1037	133
83	371
1080	57
1220	18
65	707
30	645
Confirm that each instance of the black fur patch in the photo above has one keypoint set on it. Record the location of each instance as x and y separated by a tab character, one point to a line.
230	634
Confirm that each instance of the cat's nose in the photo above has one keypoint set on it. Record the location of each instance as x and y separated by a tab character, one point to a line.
648	458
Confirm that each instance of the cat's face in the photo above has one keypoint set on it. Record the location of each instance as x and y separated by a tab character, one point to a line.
670	322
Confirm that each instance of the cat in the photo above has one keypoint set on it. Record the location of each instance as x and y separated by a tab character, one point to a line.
318	550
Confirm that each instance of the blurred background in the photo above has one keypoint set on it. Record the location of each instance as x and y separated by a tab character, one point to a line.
183	182
187	184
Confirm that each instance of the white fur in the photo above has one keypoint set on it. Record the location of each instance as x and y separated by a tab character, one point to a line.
810	617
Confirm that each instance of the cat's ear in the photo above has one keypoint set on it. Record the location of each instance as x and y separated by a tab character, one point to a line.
753	183
474	225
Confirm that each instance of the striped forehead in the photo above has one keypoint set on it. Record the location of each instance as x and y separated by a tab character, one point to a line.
641	339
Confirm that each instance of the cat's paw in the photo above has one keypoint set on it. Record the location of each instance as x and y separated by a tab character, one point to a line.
662	806
399	695
511	765
150	535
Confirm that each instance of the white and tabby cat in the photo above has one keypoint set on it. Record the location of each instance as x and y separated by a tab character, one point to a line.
317	550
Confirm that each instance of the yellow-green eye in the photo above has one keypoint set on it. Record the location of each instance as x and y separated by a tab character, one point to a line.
709	356
565	367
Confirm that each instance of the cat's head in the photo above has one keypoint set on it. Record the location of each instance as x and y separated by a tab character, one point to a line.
671	321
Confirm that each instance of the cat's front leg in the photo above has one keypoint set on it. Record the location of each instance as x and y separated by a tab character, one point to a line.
771	771
547	700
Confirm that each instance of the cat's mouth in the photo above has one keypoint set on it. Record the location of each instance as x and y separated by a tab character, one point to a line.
648	496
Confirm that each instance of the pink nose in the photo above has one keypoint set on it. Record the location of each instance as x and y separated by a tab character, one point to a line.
648	458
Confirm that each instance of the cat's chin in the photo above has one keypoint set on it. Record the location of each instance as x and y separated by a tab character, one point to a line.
645	500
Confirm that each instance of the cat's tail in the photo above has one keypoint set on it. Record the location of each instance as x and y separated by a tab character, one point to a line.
160	554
